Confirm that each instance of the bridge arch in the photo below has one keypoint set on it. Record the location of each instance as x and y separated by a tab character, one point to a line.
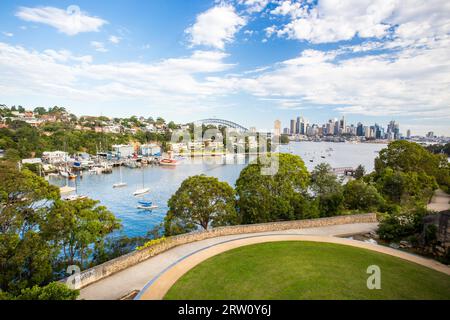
226	123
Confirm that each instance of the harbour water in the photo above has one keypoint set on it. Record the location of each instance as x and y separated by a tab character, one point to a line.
164	181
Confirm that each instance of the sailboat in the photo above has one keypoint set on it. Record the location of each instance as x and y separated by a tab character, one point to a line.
120	184
143	190
146	205
66	189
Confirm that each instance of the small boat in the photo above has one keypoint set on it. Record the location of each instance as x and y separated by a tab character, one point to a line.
323	157
142	191
168	162
146	205
72	176
311	160
120	184
75	197
148	208
66	189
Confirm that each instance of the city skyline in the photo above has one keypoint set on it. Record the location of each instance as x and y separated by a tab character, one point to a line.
247	61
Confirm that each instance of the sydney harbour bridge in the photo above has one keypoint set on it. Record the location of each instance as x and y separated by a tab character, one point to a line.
222	122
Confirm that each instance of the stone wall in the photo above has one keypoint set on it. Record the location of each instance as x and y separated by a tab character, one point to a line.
108	268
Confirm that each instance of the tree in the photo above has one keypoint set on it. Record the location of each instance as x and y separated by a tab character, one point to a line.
328	189
284	139
410	157
324	181
200	202
172	125
360	172
406	188
40	111
25	255
360	196
80	227
282	196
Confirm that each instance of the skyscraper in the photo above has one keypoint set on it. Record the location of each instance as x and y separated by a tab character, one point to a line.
277	128
360	130
293	125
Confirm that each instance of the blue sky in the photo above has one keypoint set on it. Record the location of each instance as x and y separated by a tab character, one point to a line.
250	61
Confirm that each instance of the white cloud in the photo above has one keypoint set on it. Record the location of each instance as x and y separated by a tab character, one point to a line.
8	34
71	21
254	5
411	82
99	46
337	20
215	27
176	83
115	39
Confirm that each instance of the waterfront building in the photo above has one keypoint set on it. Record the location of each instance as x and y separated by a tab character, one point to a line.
32	161
150	150
53	157
123	150
178	147
286	131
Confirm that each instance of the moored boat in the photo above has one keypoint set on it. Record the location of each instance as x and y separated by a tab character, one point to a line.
142	191
168	162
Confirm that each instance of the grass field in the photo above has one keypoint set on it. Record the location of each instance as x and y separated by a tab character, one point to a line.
307	270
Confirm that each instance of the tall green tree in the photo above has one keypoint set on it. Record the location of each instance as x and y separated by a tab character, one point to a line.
282	196
200	202
410	157
79	227
358	195
25	255
328	190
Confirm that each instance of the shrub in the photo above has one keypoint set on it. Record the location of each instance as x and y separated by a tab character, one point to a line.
53	291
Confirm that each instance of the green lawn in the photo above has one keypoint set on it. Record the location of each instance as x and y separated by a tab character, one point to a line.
307	270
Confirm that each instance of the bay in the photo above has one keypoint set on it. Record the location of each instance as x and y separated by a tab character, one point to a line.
164	181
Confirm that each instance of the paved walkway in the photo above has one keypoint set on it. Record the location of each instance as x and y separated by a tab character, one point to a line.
440	201
136	277
157	288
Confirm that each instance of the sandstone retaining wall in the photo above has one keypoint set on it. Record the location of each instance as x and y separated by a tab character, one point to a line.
108	268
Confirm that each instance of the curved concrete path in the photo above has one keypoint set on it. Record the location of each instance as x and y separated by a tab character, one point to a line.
157	288
136	277
440	201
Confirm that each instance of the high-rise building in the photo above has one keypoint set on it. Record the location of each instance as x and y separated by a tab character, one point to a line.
342	125
408	134
286	131
293	126
277	128
393	130
360	130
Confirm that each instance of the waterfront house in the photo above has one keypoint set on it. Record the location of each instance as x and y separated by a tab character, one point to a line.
32	161
150	150
178	147
123	150
53	157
